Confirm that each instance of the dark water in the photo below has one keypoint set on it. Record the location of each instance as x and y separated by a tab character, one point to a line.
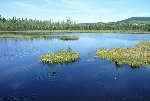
24	78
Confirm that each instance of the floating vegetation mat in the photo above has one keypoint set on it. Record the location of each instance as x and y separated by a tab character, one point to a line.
63	56
138	56
66	38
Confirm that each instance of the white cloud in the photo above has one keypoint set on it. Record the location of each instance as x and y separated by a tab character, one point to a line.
83	7
29	6
62	9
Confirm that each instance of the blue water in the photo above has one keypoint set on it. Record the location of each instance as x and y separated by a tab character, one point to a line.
24	78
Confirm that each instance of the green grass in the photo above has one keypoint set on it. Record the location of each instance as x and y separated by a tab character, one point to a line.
34	36
79	31
138	56
63	56
22	36
68	38
28	36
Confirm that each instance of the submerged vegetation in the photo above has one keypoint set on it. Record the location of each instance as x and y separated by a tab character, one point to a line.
68	38
64	56
137	56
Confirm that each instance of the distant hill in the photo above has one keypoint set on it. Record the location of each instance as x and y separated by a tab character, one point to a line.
87	23
137	20
132	20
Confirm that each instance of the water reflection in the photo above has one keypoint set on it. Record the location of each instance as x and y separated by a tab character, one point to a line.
119	66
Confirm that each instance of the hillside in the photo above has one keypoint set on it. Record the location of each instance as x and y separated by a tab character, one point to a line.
138	20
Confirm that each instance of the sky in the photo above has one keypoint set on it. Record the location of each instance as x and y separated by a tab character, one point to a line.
81	11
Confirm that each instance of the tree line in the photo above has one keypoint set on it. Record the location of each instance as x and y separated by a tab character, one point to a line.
23	24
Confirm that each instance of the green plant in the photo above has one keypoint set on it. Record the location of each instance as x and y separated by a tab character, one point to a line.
68	38
63	56
137	56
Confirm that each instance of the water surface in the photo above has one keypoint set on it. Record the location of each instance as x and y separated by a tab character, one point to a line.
24	78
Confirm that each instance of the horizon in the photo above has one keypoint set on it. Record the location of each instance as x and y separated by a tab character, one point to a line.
80	11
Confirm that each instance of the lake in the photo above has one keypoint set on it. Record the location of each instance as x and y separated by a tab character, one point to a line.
24	78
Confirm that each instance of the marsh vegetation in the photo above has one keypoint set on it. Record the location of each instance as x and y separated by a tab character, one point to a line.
68	38
34	36
137	56
22	36
64	56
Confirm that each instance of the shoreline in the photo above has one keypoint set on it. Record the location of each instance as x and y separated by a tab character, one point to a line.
80	31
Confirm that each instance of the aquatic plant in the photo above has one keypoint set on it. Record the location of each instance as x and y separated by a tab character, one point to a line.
14	36
64	56
138	56
40	36
68	38
22	36
27	36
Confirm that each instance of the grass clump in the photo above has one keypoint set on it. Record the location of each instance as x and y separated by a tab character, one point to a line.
63	56
68	38
40	36
138	56
14	36
22	36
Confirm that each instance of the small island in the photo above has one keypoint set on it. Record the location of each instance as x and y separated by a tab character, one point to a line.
64	56
138	56
67	38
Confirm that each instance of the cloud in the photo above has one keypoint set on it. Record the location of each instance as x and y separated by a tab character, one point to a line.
80	11
29	6
83	7
61	6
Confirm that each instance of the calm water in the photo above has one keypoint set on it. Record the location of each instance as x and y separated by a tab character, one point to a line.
24	78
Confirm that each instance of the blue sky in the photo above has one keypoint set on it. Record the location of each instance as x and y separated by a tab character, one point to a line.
76	10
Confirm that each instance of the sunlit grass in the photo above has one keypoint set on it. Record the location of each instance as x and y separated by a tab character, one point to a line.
63	56
80	31
138	56
28	36
22	36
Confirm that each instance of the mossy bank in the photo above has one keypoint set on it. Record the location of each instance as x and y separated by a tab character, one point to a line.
138	56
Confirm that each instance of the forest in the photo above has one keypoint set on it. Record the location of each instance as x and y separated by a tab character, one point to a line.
23	24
